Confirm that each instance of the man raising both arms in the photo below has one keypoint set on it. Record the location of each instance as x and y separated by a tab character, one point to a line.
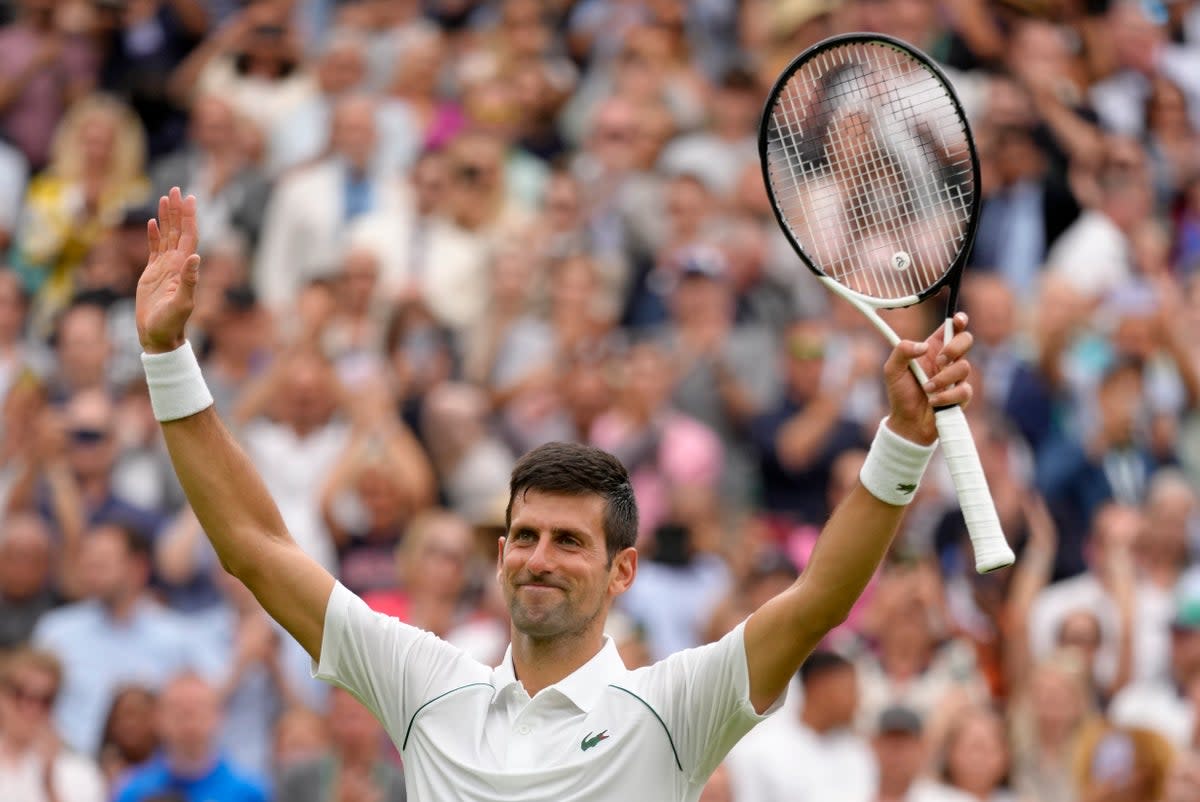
561	718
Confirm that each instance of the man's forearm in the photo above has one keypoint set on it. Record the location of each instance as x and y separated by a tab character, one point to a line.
847	554
225	492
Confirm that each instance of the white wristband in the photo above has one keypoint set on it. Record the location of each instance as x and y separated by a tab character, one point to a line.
894	466
177	387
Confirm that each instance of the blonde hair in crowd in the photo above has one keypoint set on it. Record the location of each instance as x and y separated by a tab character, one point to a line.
129	140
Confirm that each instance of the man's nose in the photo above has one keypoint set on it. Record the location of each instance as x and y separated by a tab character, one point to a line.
541	561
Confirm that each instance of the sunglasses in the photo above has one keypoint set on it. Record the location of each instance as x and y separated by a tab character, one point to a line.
801	349
88	437
22	695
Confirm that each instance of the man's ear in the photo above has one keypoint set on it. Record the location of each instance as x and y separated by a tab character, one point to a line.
624	570
500	541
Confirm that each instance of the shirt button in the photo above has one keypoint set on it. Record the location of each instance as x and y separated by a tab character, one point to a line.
524	729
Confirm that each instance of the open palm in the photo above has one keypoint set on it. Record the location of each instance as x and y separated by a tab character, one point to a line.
166	291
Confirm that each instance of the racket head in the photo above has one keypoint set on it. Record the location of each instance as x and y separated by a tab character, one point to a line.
871	168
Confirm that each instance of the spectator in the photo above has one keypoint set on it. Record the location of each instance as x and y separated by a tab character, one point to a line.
377	485
215	167
435	568
189	717
26	575
116	634
299	443
900	756
70	482
1124	764
306	220
1009	382
14	172
974	760
813	748
423	254
253	60
130	736
1129	643
46	70
301	736
1112	462
1141	52
1167	705
719	153
668	454
34	766
96	171
915	661
141	45
262	673
1094	252
1049	715
356	766
799	438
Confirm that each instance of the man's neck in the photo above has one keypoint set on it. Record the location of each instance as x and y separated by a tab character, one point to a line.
539	664
123	609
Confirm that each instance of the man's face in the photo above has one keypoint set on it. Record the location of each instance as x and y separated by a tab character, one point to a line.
25	702
553	566
24	559
901	757
189	715
107	566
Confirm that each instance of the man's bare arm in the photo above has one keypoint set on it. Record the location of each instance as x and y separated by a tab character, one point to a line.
225	492
782	633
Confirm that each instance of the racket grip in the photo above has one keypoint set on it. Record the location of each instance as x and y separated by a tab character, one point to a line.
983	525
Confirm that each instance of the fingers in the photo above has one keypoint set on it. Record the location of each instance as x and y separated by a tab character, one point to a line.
189	236
175	218
152	238
949	387
901	355
164	223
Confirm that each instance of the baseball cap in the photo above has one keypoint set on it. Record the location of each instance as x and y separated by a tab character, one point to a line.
788	15
899	720
700	261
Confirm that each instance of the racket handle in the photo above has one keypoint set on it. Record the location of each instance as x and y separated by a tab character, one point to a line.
983	525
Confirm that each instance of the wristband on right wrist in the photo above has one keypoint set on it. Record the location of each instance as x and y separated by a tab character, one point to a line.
894	466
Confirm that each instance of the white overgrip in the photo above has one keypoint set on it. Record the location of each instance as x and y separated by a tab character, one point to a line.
983	525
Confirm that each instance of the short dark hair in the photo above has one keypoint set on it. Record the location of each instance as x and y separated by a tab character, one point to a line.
820	663
574	469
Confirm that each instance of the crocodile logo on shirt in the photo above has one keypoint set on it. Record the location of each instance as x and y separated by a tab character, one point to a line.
591	740
906	488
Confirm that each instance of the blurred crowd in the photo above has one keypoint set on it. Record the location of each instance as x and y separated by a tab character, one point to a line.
436	234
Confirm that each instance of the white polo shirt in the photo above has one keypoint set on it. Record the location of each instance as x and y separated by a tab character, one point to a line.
470	733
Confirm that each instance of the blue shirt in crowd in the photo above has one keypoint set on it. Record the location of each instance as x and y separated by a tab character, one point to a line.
221	784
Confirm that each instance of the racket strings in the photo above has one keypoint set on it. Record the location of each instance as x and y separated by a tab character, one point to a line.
871	168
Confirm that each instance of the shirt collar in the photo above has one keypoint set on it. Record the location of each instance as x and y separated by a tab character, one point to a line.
582	687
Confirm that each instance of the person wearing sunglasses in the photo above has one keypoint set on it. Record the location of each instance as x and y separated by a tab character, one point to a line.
34	765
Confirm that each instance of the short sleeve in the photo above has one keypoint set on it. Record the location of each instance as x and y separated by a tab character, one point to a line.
389	666
703	695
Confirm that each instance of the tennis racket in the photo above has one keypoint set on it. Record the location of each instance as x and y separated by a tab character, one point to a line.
873	176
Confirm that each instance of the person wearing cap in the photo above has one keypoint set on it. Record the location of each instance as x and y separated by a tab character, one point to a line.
1168	705
813	748
900	756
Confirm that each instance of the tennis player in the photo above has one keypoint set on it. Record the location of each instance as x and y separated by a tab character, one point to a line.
561	718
